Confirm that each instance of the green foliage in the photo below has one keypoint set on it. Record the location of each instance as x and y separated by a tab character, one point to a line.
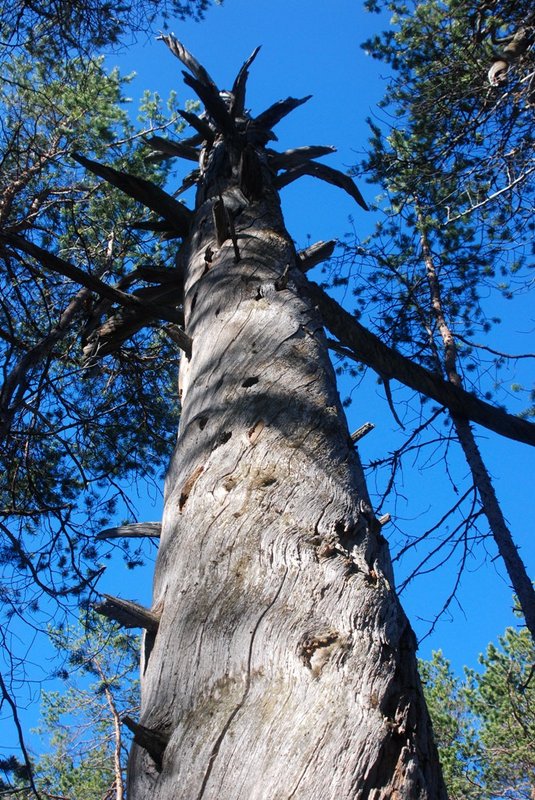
48	30
69	454
67	430
485	725
86	745
502	697
454	728
453	158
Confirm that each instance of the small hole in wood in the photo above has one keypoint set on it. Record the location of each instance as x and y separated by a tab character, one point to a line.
222	439
250	381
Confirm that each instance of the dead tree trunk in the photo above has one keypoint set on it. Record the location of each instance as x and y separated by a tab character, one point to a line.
283	665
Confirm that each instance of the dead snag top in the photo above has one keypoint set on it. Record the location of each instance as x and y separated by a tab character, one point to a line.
230	146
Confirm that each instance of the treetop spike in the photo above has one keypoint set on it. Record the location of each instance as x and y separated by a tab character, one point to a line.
189	60
212	101
272	115
238	87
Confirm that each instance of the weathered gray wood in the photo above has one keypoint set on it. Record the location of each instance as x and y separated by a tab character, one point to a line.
202	127
134	530
190	180
283	665
108	337
189	60
127	613
171	149
144	191
312	256
299	155
272	115
150	740
361	432
324	173
237	107
212	102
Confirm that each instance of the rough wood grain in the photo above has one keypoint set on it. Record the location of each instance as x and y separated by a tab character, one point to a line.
134	530
283	666
127	613
324	173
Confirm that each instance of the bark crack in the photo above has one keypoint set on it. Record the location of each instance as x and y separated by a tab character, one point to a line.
307	765
219	740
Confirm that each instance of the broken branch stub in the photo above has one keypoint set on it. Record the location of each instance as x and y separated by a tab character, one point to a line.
237	106
150	739
324	173
315	254
144	192
127	613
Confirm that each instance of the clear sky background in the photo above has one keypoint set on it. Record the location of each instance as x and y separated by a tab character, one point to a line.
313	47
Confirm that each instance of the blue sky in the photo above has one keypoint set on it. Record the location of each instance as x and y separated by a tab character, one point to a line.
313	47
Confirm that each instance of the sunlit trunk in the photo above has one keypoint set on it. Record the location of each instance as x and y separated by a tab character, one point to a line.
283	666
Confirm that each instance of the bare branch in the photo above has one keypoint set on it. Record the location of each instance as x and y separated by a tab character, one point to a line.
127	613
315	254
27	760
494	352
324	173
272	115
298	155
171	149
144	192
369	349
59	265
189	61
134	530
200	125
212	101
238	88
